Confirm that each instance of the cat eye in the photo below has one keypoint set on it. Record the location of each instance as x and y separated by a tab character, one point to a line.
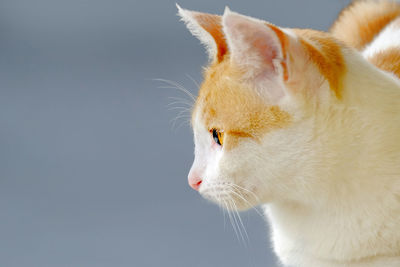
218	136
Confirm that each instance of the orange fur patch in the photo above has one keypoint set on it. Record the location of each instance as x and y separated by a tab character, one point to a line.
325	52
284	44
388	60
360	22
213	25
227	104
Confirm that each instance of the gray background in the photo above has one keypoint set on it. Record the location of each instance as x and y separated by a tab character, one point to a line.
92	172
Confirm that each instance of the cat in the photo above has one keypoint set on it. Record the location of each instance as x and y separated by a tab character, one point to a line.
306	124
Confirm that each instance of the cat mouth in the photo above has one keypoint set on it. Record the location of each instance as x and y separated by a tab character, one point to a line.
229	196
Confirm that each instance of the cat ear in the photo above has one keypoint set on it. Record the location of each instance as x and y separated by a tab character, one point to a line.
208	29
260	49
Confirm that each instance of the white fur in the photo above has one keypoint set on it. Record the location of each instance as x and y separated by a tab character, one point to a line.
348	213
329	182
389	37
187	16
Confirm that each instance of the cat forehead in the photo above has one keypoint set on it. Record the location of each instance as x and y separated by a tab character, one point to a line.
228	104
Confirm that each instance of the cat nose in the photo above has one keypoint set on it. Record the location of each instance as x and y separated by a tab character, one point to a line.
195	182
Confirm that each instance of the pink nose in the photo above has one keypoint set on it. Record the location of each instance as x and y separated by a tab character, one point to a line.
195	182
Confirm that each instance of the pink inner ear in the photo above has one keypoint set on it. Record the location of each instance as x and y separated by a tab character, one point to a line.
252	43
260	49
266	49
212	24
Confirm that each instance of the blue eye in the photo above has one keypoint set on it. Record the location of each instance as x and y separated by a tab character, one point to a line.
218	136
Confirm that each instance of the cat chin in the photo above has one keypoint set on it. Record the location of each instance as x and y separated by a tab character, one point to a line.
229	196
231	204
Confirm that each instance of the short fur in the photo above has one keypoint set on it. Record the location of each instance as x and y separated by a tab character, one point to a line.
311	124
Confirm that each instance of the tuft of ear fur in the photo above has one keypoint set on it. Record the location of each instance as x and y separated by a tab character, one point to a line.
208	29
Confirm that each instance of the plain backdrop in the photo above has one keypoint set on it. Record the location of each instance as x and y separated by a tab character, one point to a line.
92	169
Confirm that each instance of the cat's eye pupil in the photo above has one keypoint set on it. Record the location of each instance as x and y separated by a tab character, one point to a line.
217	136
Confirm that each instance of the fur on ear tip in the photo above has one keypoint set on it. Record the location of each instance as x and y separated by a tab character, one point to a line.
186	15
190	19
230	16
183	13
228	13
227	10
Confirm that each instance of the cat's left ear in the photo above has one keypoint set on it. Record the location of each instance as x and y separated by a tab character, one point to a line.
208	29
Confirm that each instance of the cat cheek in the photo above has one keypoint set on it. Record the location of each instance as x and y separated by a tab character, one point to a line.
215	146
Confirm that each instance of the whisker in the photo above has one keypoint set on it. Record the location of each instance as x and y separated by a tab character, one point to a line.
183	122
181	115
182	100
247	190
176	126
193	80
232	209
245	200
222	208
179	102
182	104
231	220
175	85
183	108
241	222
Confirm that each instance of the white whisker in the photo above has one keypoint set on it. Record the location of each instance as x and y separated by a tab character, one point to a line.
193	80
231	220
179	108
245	200
234	213
247	190
175	85
183	105
222	208
180	116
241	222
189	106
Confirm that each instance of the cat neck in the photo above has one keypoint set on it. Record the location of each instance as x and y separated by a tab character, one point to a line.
351	212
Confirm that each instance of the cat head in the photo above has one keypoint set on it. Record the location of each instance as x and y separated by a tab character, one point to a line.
253	118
